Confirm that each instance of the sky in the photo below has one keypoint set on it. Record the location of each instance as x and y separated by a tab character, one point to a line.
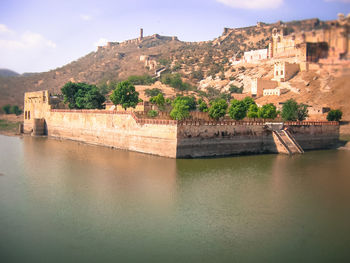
41	35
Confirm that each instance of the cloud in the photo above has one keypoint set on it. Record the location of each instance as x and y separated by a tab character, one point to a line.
253	4
28	40
85	17
5	30
101	42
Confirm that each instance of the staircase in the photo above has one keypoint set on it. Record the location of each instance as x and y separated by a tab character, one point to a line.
286	143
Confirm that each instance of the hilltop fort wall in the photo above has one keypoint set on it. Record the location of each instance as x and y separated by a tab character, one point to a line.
124	130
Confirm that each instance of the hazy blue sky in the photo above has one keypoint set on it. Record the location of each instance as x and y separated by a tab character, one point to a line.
39	35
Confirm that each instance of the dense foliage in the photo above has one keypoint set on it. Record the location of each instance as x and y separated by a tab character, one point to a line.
15	110
180	110
158	100
125	95
6	109
82	96
253	111
292	111
237	109
334	115
267	111
175	81
189	101
202	106
218	109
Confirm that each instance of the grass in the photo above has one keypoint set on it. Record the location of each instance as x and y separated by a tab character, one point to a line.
8	127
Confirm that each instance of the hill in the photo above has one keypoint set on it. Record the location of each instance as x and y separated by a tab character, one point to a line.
195	61
8	73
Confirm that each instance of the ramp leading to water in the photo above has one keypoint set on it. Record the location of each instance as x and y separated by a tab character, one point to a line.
286	143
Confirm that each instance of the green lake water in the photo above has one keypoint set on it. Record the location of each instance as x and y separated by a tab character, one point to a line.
63	201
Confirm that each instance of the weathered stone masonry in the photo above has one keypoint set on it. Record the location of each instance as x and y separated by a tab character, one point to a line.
167	138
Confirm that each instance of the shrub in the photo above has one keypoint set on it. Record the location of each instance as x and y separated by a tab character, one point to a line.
158	100
235	89
203	107
253	111
180	111
15	110
334	115
218	109
152	113
189	101
152	92
141	80
6	108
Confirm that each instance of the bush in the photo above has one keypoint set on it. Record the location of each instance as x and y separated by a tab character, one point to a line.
235	89
153	92
152	113
198	75
334	115
237	110
15	110
175	81
141	80
218	109
6	108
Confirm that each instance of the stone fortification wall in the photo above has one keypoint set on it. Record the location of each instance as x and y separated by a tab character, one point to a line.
196	139
120	130
315	135
223	138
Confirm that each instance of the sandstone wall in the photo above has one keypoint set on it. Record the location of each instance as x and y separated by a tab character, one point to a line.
116	130
226	138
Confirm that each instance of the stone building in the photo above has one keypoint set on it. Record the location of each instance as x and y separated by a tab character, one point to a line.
255	55
284	71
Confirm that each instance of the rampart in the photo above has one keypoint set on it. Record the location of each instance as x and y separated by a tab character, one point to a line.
169	138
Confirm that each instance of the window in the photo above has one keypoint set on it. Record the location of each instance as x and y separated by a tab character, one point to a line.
28	115
25	115
276	72
281	72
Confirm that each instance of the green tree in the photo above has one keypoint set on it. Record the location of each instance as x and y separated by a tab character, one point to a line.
158	100
248	101
334	115
6	108
218	109
302	112
125	95
189	101
253	111
15	110
267	111
82	96
290	110
180	110
141	80
202	106
237	110
235	89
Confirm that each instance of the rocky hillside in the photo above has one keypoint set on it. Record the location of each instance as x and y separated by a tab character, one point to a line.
8	73
193	60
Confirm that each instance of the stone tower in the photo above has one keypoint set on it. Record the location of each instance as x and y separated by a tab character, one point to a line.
141	33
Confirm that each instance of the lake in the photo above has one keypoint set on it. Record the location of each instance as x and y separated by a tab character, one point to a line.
64	201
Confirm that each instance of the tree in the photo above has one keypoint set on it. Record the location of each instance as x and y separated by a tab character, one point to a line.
189	101
334	115
15	110
267	111
237	110
235	89
141	80
6	108
180	110
248	101
82	96
253	111
302	112
218	109
203	107
125	95
158	100
290	110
